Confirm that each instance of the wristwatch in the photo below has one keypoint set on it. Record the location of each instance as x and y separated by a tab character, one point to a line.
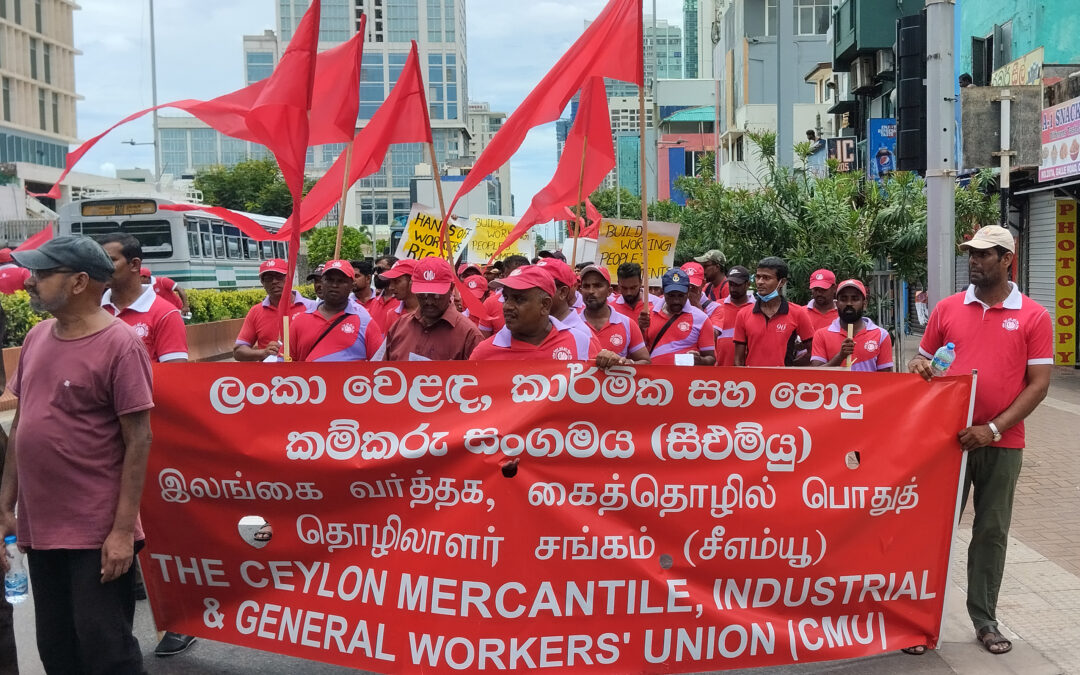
993	428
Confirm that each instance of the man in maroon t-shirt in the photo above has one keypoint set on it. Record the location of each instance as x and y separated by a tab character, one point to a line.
76	461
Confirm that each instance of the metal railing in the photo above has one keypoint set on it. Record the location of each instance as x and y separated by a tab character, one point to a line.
15	232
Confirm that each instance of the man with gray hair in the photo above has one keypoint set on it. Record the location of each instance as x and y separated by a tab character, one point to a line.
79	445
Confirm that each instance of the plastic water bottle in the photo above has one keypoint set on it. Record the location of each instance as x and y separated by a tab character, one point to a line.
943	358
16	582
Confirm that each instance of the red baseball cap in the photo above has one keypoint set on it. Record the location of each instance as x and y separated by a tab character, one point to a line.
343	266
145	272
526	277
5	255
477	285
559	271
695	272
403	267
432	275
275	265
852	283
822	279
602	271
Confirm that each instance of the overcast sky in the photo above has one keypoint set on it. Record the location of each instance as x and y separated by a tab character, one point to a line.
512	43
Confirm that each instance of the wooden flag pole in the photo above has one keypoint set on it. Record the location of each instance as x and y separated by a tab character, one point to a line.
850	335
580	201
341	206
644	193
444	246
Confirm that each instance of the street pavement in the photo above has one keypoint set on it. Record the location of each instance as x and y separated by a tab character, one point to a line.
1039	607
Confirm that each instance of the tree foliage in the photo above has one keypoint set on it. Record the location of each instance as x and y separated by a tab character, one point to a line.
255	186
355	244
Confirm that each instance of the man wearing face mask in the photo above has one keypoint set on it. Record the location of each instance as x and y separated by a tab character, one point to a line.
767	334
870	347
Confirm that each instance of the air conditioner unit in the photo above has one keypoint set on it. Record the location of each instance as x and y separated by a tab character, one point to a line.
862	73
886	63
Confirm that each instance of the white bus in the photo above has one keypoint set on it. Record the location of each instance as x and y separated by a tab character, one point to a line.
193	248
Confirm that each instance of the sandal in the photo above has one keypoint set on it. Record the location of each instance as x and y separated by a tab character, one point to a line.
917	650
993	641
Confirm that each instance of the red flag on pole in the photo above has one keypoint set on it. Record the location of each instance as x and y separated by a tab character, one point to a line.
37	239
610	47
591	136
335	104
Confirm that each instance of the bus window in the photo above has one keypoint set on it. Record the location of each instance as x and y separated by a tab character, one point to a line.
251	249
207	245
232	244
219	246
267	250
155	236
279	249
192	227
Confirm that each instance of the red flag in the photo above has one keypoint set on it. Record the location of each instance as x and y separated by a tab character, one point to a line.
335	104
402	118
589	137
37	240
610	47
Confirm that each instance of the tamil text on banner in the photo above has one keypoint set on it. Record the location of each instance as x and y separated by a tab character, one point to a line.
881	147
439	517
488	234
422	235
1060	141
620	242
1065	260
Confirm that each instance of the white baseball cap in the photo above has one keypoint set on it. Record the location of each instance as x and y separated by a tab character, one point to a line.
989	237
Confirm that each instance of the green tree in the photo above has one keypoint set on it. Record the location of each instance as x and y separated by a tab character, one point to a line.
541	243
255	186
320	244
629	205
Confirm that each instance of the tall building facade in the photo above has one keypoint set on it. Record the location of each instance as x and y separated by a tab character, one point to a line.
699	16
37	74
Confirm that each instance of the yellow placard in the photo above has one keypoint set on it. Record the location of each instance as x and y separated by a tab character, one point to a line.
1025	70
1065	283
489	232
620	242
422	235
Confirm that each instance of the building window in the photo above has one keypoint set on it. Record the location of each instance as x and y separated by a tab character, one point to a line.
7	99
3	9
330	153
402	20
259	66
47	62
37	16
436	86
174	151
372	84
334	21
373	211
449	17
33	58
434	21
233	151
41	109
18	11
56	112
812	17
403	161
204	151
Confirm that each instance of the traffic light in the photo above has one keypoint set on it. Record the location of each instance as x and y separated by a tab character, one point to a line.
911	93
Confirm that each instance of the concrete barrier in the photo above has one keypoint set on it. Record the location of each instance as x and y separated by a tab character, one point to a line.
206	342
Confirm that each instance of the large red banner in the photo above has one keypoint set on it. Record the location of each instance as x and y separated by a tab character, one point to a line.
440	517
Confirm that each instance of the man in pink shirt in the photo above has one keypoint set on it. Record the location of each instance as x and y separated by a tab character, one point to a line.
76	460
1008	338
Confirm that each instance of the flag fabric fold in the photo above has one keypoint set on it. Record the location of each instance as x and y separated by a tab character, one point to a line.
335	105
37	239
590	136
609	47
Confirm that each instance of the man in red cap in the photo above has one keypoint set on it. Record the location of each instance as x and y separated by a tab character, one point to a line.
399	278
384	301
12	278
713	309
870	346
493	304
565	294
167	290
336	330
259	336
613	330
436	331
822	309
530	331
477	285
678	329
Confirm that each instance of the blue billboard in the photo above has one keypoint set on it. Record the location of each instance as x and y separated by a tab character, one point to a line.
881	147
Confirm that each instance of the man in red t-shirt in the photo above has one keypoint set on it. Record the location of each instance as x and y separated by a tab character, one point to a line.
76	462
1008	338
168	290
259	337
336	330
739	298
613	330
697	298
384	300
530	332
714	266
870	347
399	279
157	323
678	328
822	309
769	333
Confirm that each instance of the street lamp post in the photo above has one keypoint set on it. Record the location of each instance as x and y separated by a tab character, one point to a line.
154	95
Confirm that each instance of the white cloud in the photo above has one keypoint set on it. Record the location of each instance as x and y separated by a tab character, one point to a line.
511	46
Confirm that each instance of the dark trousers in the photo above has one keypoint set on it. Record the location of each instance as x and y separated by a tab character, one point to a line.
83	625
9	658
991	477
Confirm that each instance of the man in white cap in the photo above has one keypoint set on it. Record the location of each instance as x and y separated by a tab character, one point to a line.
1008	338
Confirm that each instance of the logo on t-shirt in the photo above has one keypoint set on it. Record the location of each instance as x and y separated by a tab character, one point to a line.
562	354
781	327
348	328
617	340
871	345
1011	324
142	330
684	326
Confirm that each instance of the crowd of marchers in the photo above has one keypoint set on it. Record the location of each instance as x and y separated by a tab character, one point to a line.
76	455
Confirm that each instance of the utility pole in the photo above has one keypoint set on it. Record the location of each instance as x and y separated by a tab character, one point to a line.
940	150
786	84
153	86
